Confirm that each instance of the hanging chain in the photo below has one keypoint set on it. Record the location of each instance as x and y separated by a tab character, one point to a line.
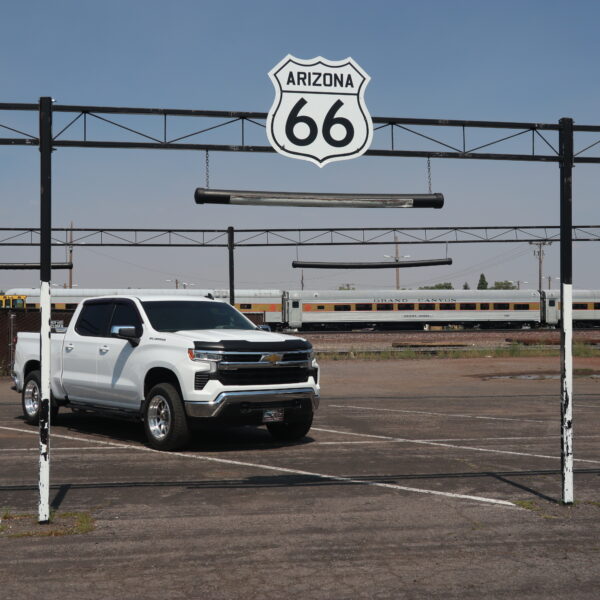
207	170
429	172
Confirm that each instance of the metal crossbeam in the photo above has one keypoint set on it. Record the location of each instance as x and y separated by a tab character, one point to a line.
343	236
89	126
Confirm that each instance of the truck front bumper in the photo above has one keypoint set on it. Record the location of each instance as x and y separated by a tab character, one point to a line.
252	400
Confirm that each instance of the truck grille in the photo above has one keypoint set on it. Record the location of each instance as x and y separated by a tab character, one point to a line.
261	376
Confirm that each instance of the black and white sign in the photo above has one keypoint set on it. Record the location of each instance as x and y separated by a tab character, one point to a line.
319	113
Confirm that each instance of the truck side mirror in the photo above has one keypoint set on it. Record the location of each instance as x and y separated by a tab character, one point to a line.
128	333
263	327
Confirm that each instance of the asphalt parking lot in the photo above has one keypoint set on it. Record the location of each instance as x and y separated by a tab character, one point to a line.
420	479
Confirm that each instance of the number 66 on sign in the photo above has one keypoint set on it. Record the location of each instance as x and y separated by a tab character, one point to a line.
319	113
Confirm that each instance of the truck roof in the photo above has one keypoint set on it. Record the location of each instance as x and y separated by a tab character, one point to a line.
154	298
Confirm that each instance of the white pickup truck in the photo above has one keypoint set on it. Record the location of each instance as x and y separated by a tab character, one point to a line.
172	362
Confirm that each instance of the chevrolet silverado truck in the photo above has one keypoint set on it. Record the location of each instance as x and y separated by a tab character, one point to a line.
173	362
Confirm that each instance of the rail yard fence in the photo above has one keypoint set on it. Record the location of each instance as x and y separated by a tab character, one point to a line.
15	321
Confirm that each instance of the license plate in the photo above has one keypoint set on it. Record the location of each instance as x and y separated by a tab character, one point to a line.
272	415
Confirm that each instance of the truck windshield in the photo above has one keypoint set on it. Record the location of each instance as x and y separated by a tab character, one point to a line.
174	315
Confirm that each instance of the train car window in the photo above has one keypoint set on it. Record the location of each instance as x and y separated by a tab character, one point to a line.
385	307
521	306
320	307
580	306
70	306
295	304
501	306
426	306
342	307
468	306
245	306
552	303
484	306
364	307
405	306
596	305
447	306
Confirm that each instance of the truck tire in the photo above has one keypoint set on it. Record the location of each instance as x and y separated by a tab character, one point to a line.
165	421
30	399
291	431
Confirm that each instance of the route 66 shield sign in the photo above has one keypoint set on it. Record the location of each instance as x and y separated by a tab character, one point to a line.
319	113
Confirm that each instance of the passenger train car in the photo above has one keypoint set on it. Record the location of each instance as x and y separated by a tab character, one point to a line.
379	309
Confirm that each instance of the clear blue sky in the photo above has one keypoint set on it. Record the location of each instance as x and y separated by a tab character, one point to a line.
525	61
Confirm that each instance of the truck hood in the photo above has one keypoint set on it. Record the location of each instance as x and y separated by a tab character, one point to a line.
226	339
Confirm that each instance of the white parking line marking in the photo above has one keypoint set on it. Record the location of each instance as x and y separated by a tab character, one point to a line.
479	439
54	448
389	486
520	437
422	412
426	443
361	442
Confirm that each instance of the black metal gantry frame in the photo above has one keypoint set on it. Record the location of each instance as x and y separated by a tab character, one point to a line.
326	236
564	153
80	121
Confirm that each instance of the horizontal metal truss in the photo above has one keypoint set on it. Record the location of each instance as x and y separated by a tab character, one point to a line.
32	266
366	236
407	137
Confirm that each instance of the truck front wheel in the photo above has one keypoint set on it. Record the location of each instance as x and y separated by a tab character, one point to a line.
165	421
31	398
291	431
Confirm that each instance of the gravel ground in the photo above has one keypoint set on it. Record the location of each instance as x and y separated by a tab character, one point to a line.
370	340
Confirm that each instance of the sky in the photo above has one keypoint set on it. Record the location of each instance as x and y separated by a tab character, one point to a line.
533	61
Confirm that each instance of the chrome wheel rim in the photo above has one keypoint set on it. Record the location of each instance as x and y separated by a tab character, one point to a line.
159	417
31	398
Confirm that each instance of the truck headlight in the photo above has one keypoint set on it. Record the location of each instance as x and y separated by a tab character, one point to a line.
203	355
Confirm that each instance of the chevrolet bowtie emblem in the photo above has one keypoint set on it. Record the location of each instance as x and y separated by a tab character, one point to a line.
272	358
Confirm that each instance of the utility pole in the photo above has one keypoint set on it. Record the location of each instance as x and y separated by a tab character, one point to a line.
397	257
70	255
538	252
231	248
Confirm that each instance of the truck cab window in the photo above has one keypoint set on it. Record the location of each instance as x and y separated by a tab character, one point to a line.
94	318
126	315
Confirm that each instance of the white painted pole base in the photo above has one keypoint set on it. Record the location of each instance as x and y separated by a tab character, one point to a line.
44	411
566	403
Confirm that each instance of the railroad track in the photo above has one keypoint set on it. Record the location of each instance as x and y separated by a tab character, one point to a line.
457	332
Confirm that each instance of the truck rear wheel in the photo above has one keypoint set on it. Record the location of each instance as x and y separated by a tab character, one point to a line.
165	421
31	398
291	431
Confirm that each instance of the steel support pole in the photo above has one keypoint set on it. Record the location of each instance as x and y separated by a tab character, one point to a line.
45	274
566	306
230	247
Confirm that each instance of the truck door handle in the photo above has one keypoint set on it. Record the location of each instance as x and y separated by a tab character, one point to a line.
103	349
69	347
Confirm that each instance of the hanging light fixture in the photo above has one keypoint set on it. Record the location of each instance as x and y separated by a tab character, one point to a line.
299	264
306	199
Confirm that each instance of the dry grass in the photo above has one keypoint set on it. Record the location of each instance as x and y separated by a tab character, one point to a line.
512	351
61	524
